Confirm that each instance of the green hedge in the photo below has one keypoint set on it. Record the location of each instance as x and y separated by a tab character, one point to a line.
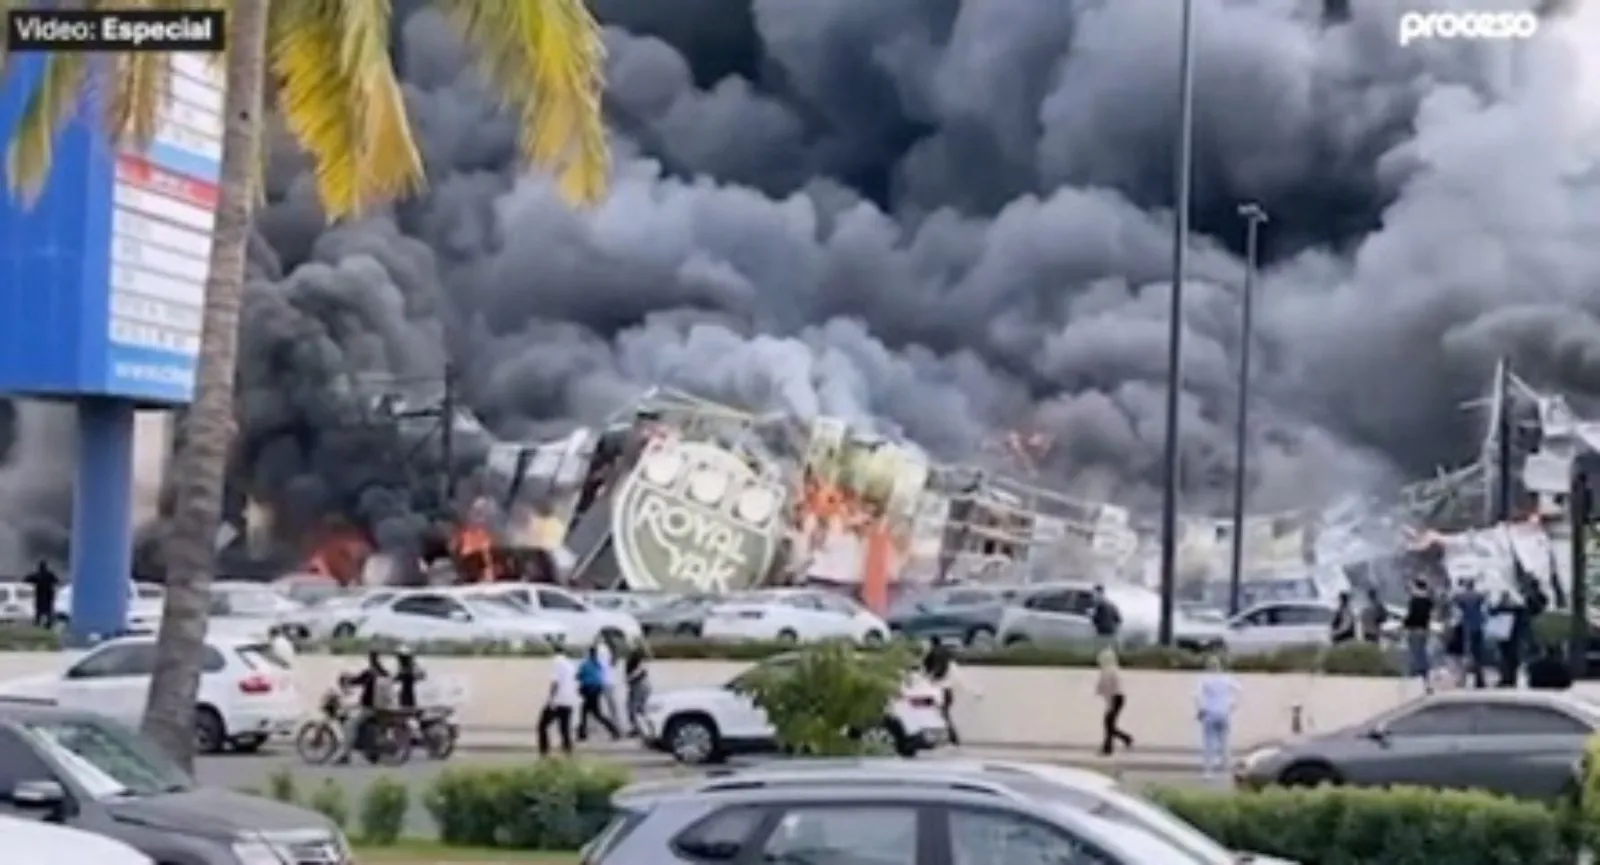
548	805
1395	826
1349	660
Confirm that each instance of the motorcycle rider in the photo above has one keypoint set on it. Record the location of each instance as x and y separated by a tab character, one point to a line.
374	682
407	674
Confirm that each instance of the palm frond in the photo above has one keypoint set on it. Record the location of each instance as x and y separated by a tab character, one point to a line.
54	99
547	59
390	166
139	85
316	97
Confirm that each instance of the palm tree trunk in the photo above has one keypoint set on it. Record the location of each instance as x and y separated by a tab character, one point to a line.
169	714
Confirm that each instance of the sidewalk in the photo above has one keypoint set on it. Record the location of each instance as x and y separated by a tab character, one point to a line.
524	740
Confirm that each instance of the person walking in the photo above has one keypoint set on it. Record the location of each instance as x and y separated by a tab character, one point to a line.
613	695
44	582
636	669
1105	617
1508	627
559	704
1472	613
1343	627
1374	615
1216	695
1109	689
939	666
1418	625
592	675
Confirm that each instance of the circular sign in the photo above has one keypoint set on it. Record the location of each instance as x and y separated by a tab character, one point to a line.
694	517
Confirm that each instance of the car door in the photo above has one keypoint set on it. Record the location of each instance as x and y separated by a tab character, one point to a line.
1523	750
1412	746
995	836
19	764
837	617
429	617
880	833
111	680
954	615
1302	624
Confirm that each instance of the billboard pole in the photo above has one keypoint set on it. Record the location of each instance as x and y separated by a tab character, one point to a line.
101	553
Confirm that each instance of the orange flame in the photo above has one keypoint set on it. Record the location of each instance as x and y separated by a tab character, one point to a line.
473	549
340	555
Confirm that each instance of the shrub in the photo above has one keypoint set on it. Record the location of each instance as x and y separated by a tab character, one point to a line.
383	811
1358	659
819	704
554	804
329	800
281	786
1395	826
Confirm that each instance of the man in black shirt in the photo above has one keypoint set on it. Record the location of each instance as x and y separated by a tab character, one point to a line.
1418	623
1104	616
407	675
374	683
44	582
1343	627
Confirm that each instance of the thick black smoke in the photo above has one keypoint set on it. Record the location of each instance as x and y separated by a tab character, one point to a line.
949	219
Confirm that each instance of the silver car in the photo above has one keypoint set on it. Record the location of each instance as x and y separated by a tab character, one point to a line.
1058	613
832	817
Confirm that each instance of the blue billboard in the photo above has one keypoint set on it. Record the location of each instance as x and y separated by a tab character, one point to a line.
102	282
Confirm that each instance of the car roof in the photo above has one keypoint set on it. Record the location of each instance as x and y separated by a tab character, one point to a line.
1510	697
24	711
213	639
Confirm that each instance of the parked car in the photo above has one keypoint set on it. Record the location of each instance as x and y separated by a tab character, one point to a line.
745	819
967	614
251	608
247	693
307	589
89	773
632	603
334	617
1048	783
707	725
1511	741
584	623
145	602
424	615
1276	625
682	616
791	615
16	603
30	842
1059	613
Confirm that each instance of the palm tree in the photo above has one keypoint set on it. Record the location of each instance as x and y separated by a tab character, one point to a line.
336	92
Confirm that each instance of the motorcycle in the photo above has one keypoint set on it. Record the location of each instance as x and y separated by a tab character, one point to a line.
385	737
436	732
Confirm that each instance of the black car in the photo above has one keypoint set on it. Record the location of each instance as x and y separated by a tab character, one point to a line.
91	773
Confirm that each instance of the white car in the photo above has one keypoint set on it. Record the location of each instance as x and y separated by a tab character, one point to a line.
33	842
583	621
249	608
793	615
16	603
334	617
145	603
627	602
1275	625
247	692
1060	613
422	615
706	725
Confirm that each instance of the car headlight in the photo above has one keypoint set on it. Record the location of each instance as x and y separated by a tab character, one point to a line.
1259	757
256	853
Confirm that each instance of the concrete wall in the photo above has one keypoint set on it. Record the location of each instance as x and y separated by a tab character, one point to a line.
1029	707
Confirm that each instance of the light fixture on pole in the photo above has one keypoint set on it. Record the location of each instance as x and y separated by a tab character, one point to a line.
1254	218
1180	267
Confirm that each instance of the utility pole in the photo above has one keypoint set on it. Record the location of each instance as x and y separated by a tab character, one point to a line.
1180	272
1254	217
447	440
1503	444
1580	507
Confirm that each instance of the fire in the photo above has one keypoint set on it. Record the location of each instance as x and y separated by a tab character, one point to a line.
340	555
473	549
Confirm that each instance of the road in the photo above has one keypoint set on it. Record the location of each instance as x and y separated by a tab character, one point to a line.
256	771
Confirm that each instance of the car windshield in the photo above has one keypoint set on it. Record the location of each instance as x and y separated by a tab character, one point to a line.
106	759
1118	806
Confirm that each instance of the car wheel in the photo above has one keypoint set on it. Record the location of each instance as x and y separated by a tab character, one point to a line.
692	740
980	638
210	734
343	631
873	638
1309	773
880	741
1016	640
687	630
248	744
788	636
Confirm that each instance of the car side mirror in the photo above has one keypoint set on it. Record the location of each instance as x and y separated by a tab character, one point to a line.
1379	734
38	795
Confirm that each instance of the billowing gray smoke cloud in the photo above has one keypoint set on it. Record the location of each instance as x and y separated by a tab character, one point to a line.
949	219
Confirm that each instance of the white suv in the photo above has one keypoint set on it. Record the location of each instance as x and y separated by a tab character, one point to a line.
247	692
706	725
31	842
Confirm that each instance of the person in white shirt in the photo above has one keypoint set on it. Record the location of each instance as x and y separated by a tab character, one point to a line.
559	705
612	697
1215	698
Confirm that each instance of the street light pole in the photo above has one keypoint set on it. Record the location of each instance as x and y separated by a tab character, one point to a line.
1254	217
1180	266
